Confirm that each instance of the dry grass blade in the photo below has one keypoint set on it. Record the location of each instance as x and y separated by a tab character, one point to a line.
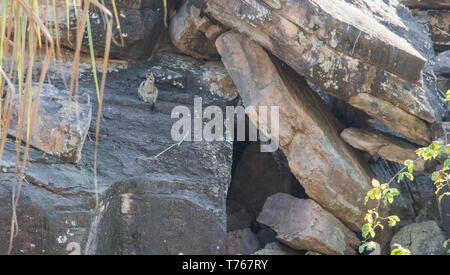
102	89
35	20
22	27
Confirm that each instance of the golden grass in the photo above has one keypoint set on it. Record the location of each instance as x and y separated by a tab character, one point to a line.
25	31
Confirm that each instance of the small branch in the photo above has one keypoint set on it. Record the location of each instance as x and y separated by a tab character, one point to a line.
172	146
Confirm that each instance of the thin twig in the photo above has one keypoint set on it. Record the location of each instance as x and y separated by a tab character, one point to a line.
173	145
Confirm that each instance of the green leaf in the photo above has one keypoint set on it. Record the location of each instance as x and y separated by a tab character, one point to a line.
362	248
410	176
435	176
447	164
446	243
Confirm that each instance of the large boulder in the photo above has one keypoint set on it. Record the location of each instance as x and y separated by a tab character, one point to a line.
186	35
326	167
386	146
424	238
61	124
181	194
362	56
427	4
305	225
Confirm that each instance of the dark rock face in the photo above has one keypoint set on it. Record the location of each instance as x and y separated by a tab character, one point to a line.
141	27
442	70
437	23
242	242
159	218
442	67
258	176
60	126
417	201
426	3
182	193
303	224
424	238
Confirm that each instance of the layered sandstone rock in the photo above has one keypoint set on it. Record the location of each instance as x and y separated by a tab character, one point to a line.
327	168
426	3
385	146
187	31
303	224
351	55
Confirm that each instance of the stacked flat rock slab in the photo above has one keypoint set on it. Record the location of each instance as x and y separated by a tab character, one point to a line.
440	29
186	33
326	166
344	51
438	21
61	125
305	225
385	146
426	3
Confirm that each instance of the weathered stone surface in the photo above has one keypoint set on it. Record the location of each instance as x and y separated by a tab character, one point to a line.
444	210
440	29
259	175
441	131
141	26
242	242
345	54
181	72
417	201
442	70
438	22
326	167
159	217
186	35
303	224
385	146
411	127
426	3
277	248
183	191
424	238
60	126
442	67
238	216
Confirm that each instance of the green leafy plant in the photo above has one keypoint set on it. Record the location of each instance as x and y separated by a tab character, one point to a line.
399	250
384	193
